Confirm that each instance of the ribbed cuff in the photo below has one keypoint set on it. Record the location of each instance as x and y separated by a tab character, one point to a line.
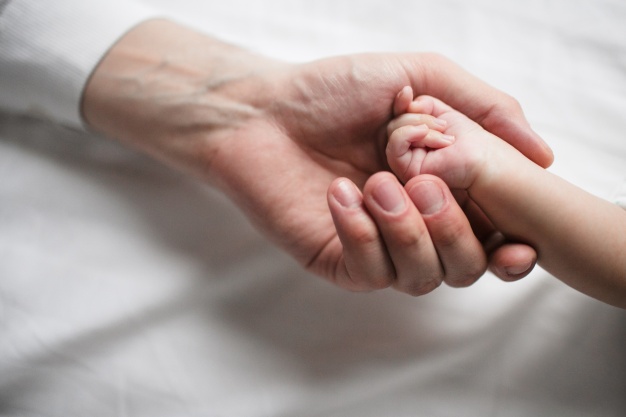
49	49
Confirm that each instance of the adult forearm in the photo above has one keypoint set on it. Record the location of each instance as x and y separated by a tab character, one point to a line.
172	92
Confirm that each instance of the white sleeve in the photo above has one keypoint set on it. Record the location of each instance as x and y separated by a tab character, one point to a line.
48	50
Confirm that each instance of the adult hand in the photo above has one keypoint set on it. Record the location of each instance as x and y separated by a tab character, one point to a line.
278	138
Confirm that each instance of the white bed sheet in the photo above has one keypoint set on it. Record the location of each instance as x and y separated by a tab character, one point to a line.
127	289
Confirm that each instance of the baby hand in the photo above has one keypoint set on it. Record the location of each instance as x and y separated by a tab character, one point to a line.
413	133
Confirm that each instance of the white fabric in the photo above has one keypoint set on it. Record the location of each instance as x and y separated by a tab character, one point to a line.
47	51
129	290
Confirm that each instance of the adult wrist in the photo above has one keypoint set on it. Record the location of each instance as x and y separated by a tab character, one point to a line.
172	93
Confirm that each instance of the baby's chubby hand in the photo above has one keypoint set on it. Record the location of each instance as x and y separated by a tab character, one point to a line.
413	132
428	138
420	139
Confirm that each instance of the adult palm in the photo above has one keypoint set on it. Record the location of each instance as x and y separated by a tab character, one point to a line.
316	122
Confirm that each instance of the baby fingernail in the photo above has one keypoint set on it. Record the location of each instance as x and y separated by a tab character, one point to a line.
440	122
448	138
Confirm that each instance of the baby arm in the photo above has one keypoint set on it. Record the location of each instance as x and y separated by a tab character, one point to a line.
579	238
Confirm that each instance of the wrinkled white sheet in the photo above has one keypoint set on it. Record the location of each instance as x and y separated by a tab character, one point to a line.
127	289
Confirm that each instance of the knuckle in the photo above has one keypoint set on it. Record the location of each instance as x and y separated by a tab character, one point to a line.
477	269
396	137
450	234
416	238
419	288
468	276
510	104
360	276
462	282
366	282
380	283
402	138
514	104
362	236
397	123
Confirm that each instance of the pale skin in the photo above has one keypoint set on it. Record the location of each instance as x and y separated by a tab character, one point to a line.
524	201
293	144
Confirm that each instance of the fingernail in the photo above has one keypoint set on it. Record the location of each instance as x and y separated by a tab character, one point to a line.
427	196
440	122
347	194
518	270
388	195
448	138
